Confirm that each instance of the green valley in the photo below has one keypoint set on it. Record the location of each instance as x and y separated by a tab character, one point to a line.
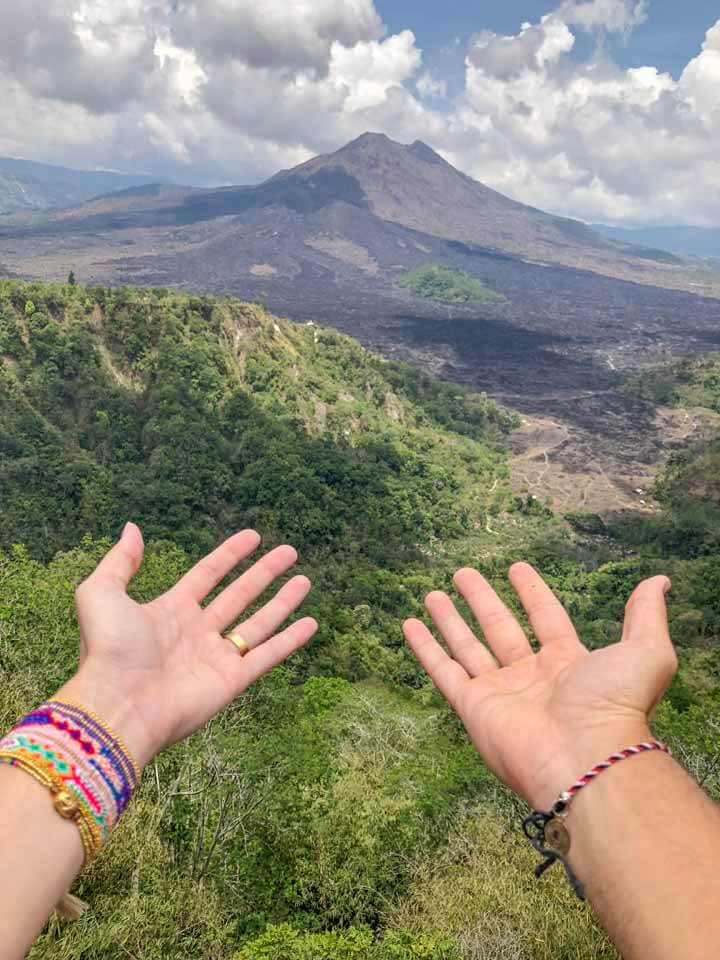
338	810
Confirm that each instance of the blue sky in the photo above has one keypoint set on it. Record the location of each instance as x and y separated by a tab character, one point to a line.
671	36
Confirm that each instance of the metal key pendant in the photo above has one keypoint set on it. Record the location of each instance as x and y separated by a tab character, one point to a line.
557	837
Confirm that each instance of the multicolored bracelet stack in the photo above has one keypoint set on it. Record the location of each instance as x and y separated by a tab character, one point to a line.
87	768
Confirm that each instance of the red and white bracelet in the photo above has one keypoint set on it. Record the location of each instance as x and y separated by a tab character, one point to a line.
546	830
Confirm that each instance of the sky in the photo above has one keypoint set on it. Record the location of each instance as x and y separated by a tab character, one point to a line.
604	110
669	37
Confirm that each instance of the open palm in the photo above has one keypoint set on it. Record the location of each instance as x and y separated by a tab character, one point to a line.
168	662
541	719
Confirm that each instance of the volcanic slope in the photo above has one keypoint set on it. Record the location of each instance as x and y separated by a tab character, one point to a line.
356	197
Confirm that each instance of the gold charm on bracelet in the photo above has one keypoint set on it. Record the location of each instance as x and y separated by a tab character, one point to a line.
66	804
557	837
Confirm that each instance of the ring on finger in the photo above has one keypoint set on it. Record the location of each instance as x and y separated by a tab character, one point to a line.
241	644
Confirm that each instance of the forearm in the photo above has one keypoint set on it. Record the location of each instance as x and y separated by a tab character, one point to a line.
42	852
40	856
646	845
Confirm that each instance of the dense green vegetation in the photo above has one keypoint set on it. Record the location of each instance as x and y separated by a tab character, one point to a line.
693	382
690	487
433	281
337	810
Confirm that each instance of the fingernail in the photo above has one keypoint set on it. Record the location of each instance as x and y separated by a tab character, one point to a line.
125	530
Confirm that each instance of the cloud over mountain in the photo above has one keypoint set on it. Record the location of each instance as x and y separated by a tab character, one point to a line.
274	34
230	90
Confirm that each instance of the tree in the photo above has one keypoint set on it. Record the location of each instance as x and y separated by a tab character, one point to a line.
71	278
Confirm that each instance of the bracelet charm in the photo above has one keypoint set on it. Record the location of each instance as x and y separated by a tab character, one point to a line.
557	836
547	832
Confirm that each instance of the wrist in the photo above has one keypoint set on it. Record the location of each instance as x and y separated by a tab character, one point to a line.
118	710
580	754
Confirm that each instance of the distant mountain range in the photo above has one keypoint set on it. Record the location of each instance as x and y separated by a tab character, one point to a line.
25	185
410	186
688	241
370	210
385	183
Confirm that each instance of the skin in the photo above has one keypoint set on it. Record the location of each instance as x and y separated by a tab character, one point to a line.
645	838
155	673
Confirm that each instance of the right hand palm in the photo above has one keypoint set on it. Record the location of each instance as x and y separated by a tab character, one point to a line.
540	720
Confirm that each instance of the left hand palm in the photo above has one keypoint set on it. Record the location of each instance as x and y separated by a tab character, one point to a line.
169	659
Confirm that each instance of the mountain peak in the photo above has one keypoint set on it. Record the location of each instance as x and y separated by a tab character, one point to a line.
380	145
371	139
422	151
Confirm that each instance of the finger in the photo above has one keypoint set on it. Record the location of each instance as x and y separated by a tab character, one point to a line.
503	633
122	562
646	625
265	622
551	624
447	675
646	620
274	651
464	645
227	607
207	574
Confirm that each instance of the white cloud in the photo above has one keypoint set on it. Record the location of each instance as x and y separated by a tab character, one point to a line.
533	49
89	52
700	82
611	16
429	86
288	36
587	138
231	90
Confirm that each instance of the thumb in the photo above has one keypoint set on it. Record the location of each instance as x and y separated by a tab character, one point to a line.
646	620
122	562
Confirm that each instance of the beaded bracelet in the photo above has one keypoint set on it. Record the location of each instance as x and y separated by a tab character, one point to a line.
547	831
89	771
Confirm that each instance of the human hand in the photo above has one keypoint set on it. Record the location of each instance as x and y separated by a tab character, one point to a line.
159	671
541	720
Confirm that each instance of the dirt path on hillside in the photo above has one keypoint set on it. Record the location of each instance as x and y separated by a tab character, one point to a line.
561	460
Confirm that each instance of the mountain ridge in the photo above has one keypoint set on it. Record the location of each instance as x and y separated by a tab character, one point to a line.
312	244
411	186
682	240
26	185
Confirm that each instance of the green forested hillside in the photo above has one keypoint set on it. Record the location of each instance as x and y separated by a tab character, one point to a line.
338	810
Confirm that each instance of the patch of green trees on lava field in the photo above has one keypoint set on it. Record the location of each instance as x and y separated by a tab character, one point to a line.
433	281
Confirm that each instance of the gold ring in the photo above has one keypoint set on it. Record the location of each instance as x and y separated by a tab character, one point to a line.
241	644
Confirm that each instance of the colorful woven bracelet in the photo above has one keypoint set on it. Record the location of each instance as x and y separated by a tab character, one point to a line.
546	830
87	768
